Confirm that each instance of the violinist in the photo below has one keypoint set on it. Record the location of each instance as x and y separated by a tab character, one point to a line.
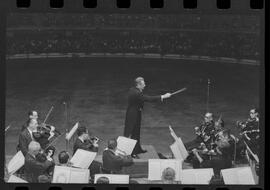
33	167
43	134
250	132
221	155
204	133
113	162
84	141
26	136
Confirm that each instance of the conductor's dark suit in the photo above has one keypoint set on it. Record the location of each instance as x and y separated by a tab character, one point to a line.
136	100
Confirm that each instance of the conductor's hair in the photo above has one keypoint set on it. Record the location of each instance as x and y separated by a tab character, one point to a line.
81	130
112	144
138	80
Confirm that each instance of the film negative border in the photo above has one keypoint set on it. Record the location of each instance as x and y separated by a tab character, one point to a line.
163	6
123	6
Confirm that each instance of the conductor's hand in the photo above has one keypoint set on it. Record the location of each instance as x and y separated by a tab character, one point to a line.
167	95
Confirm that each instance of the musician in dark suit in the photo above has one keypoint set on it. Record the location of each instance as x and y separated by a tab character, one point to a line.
84	142
32	167
26	136
113	162
90	144
221	156
250	131
204	133
136	100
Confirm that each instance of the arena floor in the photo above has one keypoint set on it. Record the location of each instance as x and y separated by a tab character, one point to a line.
95	90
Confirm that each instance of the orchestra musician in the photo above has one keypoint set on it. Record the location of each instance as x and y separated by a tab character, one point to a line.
84	141
113	162
204	133
221	155
250	132
26	136
34	168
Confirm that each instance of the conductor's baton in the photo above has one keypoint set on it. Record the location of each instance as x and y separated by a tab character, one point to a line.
178	91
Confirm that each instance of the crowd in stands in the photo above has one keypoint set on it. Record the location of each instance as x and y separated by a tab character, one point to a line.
173	21
213	44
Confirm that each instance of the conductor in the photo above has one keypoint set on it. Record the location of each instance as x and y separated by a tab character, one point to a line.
136	100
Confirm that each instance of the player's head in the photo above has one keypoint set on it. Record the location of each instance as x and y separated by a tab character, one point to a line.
168	174
254	112
139	83
33	114
34	148
63	157
112	144
82	132
103	180
208	117
32	124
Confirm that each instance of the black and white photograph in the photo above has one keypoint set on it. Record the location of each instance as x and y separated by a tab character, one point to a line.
141	98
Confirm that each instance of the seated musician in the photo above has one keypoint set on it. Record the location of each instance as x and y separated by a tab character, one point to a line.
84	141
204	132
26	136
221	155
33	167
113	162
250	131
90	144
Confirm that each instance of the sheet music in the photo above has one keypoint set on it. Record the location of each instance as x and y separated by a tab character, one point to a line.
15	179
125	144
16	162
241	175
83	158
63	174
180	144
157	166
114	179
179	150
196	176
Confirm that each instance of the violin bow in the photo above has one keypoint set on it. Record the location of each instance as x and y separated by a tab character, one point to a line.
48	114
54	141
